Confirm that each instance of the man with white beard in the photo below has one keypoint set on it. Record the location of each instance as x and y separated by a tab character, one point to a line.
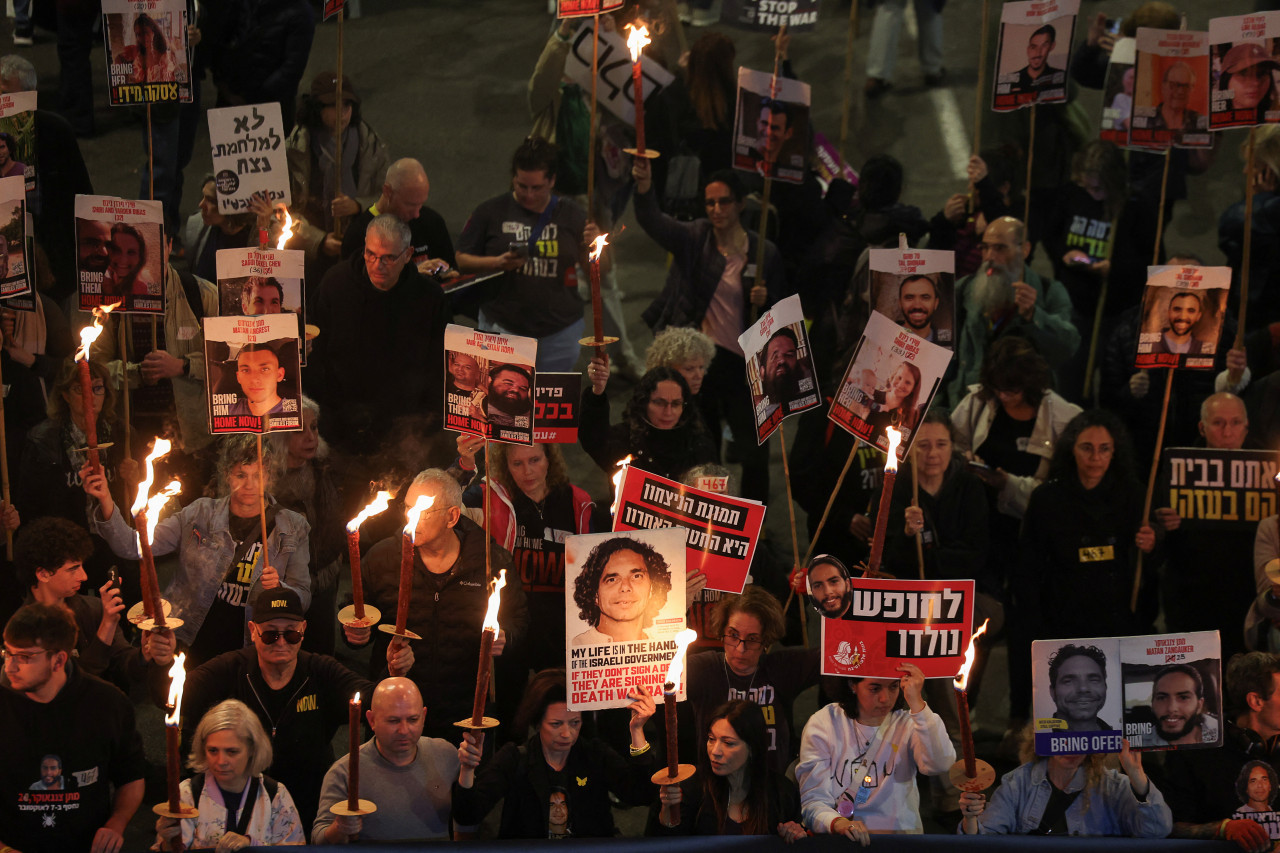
1005	297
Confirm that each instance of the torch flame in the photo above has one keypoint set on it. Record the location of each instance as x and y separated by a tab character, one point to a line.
597	247
961	681
159	449
178	678
286	233
895	438
156	503
622	466
89	334
376	506
355	700
423	504
495	601
682	640
637	40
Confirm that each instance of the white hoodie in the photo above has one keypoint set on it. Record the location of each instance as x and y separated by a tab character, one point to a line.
833	750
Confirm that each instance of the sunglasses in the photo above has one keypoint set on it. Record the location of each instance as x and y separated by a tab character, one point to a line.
290	637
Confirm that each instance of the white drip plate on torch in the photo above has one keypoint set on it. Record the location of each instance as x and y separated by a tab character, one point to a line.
985	779
391	629
649	153
340	808
598	342
1272	569
185	812
485	723
137	613
662	777
372	616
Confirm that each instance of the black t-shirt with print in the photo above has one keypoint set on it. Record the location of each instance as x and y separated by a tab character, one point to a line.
223	627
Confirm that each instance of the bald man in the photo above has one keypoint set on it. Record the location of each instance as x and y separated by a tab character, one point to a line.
404	196
408	776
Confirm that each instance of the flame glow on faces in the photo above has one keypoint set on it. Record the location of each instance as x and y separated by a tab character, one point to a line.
286	232
179	678
682	640
895	438
420	506
376	506
597	247
617	483
637	40
495	601
961	681
89	334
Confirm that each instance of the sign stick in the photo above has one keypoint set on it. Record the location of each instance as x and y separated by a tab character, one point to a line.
1031	150
979	95
262	501
4	475
915	501
151	196
337	141
591	135
122	342
791	508
488	545
1097	313
1247	250
763	229
848	79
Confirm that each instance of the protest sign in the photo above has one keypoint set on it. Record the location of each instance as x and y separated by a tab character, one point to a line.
120	253
14	279
254	380
585	8
1214	489
248	155
773	127
828	165
1033	54
1182	313
891	622
916	288
1171	90
1117	92
1161	691
613	71
891	380
147	60
780	371
490	386
765	16
555	408
721	530
624	604
18	133
261	281
1242	50
331	8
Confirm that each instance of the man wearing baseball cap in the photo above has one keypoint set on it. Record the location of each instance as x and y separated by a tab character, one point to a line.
301	698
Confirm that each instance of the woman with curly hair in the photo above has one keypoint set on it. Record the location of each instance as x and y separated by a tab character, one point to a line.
623	585
687	350
661	431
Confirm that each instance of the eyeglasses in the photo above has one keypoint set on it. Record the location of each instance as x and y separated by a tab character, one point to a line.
734	640
290	637
23	658
382	260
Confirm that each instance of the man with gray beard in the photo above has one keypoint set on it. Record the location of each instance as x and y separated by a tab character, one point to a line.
1005	297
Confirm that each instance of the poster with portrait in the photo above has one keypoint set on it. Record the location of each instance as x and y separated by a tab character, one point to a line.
489	384
331	8
916	288
120	253
1117	92
247	144
624	605
1033	53
1182	313
1172	690
722	530
891	380
18	135
14	278
615	84
765	16
261	281
585	8
147	60
890	622
1171	90
1216	489
771	130
780	371
555	408
1077	695
1242	54
254	378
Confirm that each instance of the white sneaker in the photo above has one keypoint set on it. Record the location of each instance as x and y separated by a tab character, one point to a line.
23	41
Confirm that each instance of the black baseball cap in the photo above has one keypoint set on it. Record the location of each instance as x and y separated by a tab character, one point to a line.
278	603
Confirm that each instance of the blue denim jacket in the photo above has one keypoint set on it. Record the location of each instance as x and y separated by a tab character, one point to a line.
201	534
1018	805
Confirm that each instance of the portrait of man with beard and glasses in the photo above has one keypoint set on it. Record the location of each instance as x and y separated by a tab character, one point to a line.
785	376
1078	686
509	401
1181	712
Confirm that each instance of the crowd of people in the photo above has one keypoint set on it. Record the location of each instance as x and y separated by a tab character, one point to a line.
1029	471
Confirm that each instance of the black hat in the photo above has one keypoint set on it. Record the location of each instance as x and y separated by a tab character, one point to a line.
278	603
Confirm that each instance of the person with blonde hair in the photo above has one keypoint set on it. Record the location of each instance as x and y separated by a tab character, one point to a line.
685	349
239	805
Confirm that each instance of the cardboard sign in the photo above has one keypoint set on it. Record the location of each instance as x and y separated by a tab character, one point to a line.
248	155
585	8
771	131
331	8
1242	51
1034	52
1219	489
721	531
613	70
254	381
18	131
890	622
490	384
1161	691
1182	313
780	371
14	280
147	60
891	380
767	16
120	253
916	288
555	408
624	604
1117	92
1171	90
262	281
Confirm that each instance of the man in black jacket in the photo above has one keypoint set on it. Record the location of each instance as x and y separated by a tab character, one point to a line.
301	698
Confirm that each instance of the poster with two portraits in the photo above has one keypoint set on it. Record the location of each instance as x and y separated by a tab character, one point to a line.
120	254
490	384
1161	691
